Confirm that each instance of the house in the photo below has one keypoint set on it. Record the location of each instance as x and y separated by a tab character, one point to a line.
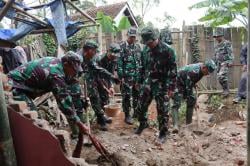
116	12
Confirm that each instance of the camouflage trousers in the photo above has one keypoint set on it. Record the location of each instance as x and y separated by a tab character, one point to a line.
222	74
94	95
104	95
156	91
184	93
129	91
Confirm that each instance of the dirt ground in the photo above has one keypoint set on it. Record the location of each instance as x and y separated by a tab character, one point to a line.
214	138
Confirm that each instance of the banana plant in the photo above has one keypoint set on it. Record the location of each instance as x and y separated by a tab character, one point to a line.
221	12
108	24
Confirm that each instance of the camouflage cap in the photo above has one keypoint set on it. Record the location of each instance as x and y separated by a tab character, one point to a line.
132	31
148	34
210	64
218	33
73	59
90	44
115	48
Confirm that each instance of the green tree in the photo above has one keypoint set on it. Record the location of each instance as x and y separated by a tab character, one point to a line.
221	12
143	6
75	42
167	20
108	24
50	44
139	21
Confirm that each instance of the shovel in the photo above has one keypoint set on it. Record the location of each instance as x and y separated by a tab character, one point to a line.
97	144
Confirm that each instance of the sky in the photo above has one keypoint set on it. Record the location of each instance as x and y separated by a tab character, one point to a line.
176	8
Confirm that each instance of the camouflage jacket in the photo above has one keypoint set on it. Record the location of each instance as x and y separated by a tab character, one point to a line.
189	75
159	65
92	70
45	75
129	63
110	65
224	53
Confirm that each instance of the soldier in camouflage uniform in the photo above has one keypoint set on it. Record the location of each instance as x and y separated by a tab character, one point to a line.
48	74
91	72
160	71
129	72
165	36
109	62
187	78
223	59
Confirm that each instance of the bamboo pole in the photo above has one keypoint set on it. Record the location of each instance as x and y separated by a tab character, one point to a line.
79	10
7	152
5	9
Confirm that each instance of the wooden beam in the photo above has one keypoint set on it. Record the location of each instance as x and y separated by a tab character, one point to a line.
5	9
27	14
232	91
81	11
49	30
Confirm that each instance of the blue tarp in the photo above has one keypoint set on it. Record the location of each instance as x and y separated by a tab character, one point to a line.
63	28
58	22
16	34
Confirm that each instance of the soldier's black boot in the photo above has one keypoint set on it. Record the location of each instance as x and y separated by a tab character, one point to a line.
162	136
175	119
128	119
107	119
142	126
189	115
102	123
225	88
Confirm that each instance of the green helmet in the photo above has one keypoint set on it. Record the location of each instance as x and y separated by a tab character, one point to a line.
148	34
210	64
115	49
218	33
90	44
132	31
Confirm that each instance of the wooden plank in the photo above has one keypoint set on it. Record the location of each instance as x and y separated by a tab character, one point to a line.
5	9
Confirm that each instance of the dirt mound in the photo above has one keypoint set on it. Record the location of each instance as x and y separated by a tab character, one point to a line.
200	143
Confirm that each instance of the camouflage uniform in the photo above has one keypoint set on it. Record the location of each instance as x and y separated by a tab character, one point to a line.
91	73
42	76
195	51
187	78
128	70
166	37
160	71
223	59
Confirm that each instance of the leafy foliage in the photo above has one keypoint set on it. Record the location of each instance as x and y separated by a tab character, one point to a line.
144	6
50	44
215	101
221	12
75	41
108	24
167	20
